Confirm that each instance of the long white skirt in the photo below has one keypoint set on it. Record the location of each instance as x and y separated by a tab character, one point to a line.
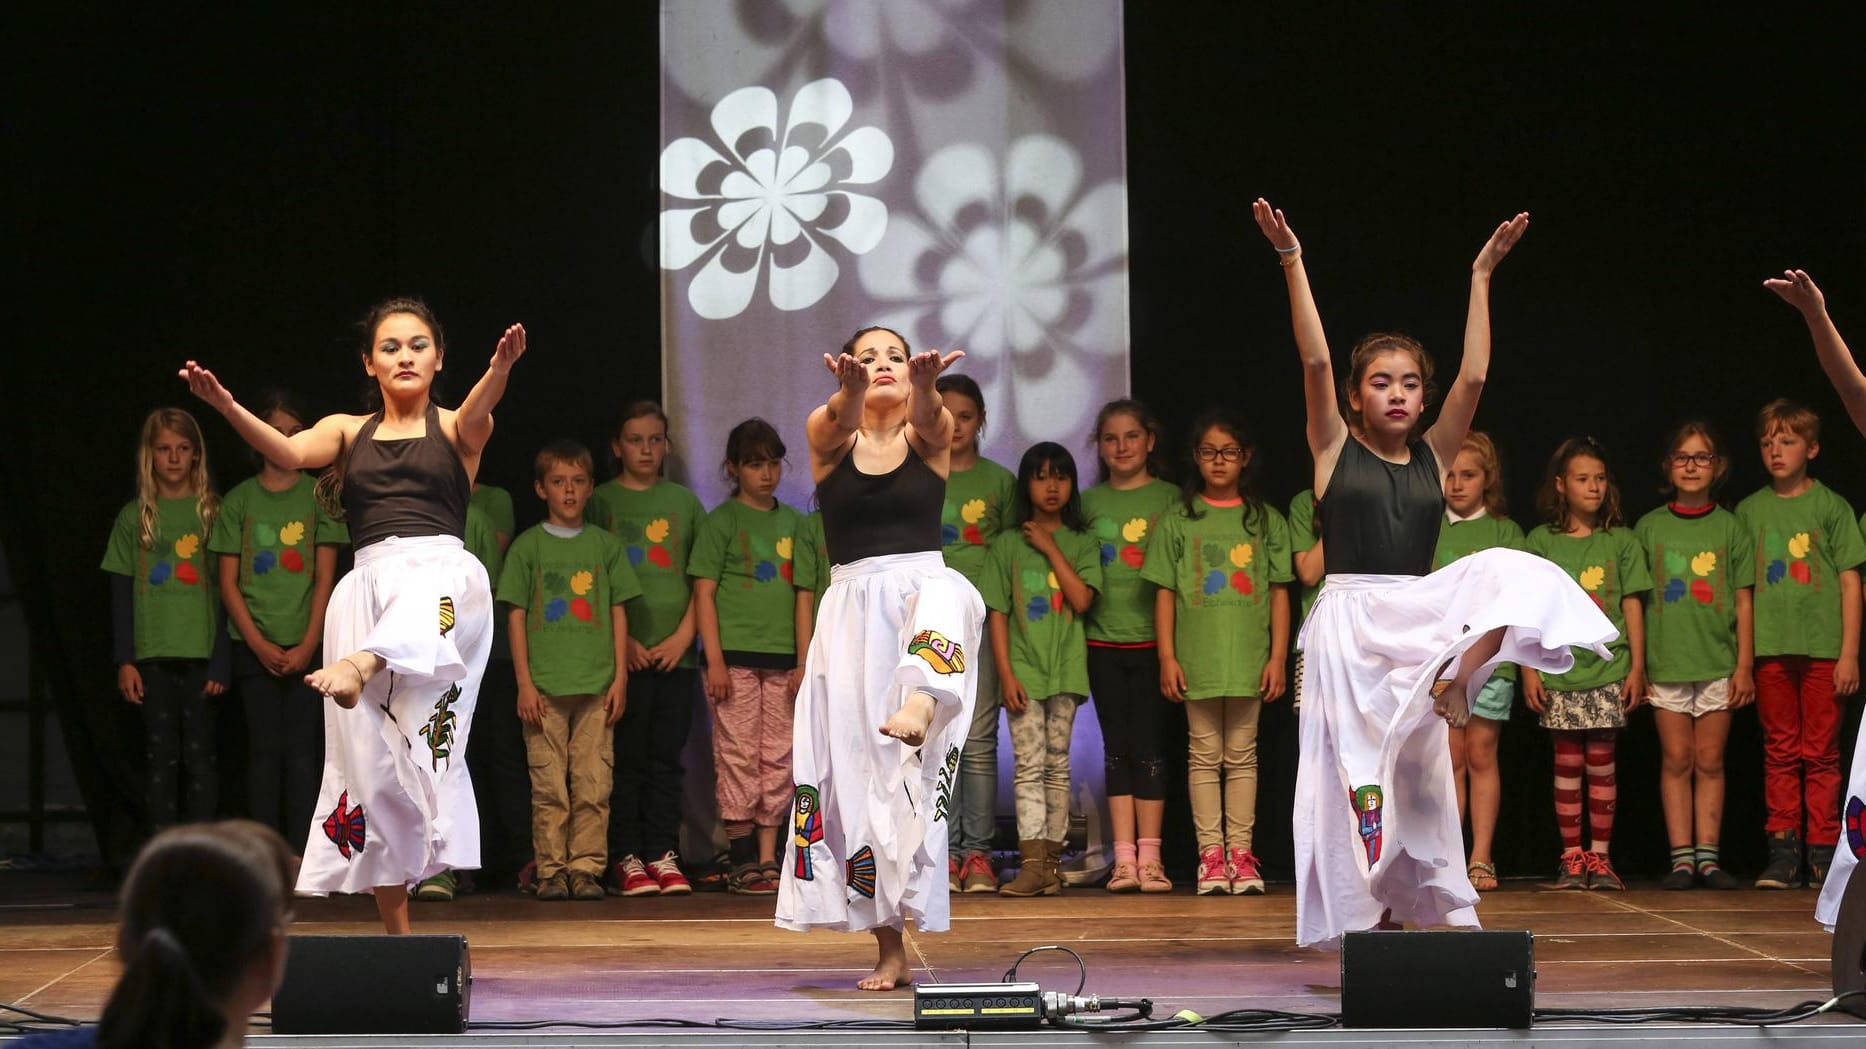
396	804
1376	817
867	841
1852	843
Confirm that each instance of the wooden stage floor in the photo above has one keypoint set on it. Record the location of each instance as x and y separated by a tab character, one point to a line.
708	956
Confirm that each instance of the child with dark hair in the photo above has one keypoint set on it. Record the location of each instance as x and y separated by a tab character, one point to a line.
566	584
1221	561
742	593
1700	647
1043	576
277	549
657	521
1585	707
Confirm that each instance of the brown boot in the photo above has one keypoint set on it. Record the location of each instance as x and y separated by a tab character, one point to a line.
1054	864
1037	874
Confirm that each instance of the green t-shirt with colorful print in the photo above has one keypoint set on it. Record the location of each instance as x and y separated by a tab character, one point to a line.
482	541
1301	537
1698	564
496	503
1123	523
810	569
977	501
275	536
568	587
657	527
1221	574
1458	539
174	600
1609	565
748	552
1049	649
1802	545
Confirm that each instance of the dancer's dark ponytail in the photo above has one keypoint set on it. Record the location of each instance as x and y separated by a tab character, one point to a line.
160	1003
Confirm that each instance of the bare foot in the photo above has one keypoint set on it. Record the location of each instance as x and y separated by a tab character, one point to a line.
343	680
1451	700
909	724
891	969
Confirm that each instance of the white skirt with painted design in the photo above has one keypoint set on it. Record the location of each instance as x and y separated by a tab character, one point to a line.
866	844
1376	815
396	805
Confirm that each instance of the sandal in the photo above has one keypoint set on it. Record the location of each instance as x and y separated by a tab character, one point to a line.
1483	876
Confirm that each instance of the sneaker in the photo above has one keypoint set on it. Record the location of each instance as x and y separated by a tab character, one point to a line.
528	878
1214	880
1572	873
667	874
1124	878
1600	873
953	878
1784	868
976	875
1680	878
714	876
1715	877
438	889
749	880
1820	858
584	886
630	878
555	887
1241	866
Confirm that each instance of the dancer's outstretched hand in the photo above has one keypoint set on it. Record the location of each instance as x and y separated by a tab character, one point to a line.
924	368
1798	289
204	385
511	347
848	371
1274	226
1502	239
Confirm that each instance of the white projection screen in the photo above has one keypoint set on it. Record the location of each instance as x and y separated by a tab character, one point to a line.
953	169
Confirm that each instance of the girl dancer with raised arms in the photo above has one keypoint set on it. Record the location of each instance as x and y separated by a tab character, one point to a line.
396	806
1376	767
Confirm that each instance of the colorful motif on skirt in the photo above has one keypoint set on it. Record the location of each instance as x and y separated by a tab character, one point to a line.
862	873
948	770
346	827
807	824
1856	827
940	652
447	615
439	731
1366	802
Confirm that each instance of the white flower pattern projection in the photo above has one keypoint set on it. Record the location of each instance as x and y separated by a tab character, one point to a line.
762	201
1010	259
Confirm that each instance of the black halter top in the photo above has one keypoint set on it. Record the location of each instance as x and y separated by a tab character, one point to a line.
408	486
1382	518
866	515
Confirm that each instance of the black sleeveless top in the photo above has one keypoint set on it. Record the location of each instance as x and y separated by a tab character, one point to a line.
1382	518
408	487
866	515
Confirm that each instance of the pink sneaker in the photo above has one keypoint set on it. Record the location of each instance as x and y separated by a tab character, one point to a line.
631	878
1245	878
668	875
1214	880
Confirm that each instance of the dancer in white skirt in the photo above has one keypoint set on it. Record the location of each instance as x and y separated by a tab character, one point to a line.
1377	834
396	804
891	673
1799	290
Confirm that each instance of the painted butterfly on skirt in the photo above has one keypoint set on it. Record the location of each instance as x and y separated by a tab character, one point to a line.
346	827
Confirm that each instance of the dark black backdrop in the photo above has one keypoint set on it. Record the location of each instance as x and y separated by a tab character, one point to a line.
239	188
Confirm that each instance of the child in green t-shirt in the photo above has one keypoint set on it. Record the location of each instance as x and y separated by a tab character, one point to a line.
170	648
1221	618
496	503
1807	623
1044	575
1124	513
1585	708
1476	518
978	495
746	606
657	521
1700	648
277	553
567	584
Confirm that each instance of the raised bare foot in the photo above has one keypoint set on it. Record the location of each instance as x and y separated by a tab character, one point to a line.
341	681
1451	700
891	969
909	724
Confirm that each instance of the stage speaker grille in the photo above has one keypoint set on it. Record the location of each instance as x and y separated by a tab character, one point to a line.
1438	979
374	985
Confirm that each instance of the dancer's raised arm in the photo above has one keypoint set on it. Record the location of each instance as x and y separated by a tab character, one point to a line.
927	417
1799	290
309	449
1446	435
473	421
834	422
1327	431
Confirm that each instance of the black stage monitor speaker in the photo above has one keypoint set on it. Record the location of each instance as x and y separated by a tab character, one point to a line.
1849	960
374	985
1437	979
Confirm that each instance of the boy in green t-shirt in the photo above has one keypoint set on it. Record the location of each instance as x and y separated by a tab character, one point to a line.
567	584
1808	553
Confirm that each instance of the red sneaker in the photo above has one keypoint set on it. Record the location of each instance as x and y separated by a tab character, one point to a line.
528	878
667	874
1246	879
631	878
